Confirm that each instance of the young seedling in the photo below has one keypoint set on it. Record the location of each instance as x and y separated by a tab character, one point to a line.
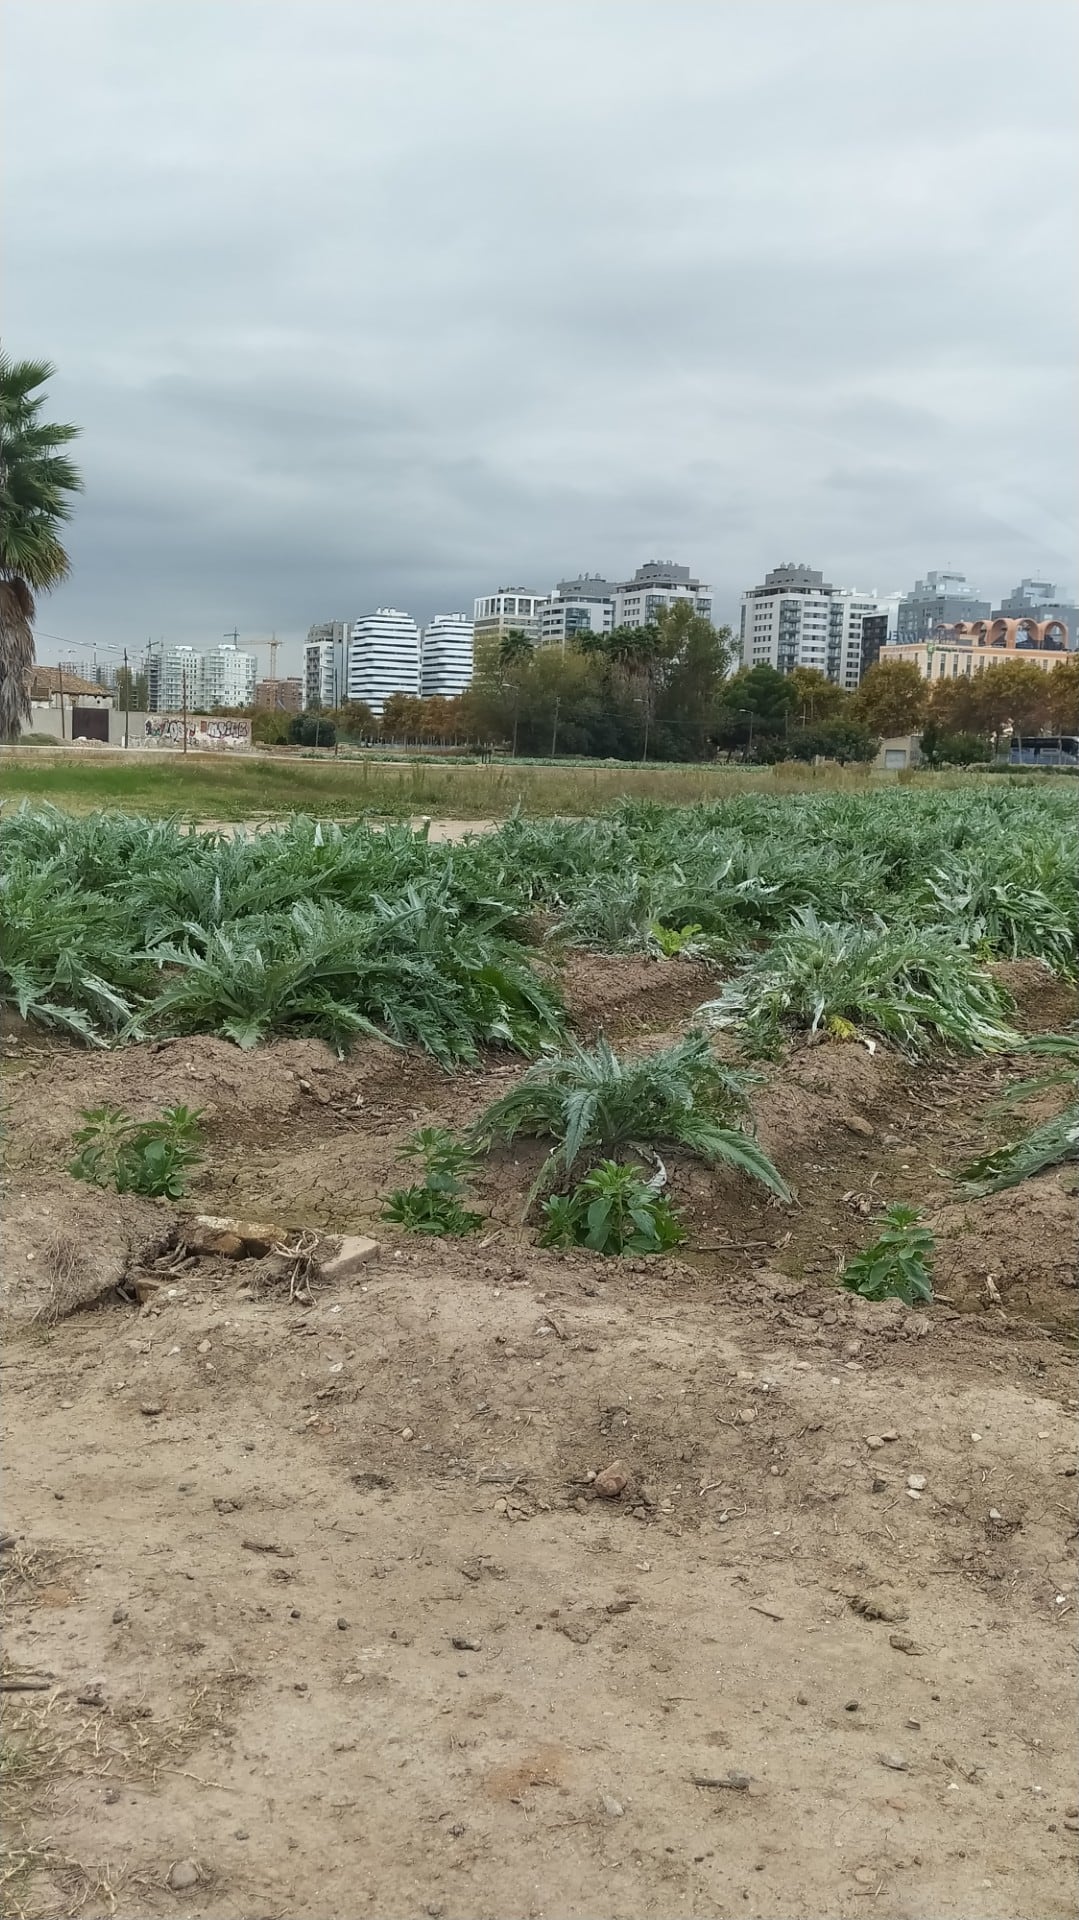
433	1205
612	1210
897	1264
151	1157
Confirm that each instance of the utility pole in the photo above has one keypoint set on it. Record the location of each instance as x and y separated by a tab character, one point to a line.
516	718
63	730
183	689
127	702
554	729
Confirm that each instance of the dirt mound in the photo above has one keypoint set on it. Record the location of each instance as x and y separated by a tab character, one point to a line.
1043	1001
65	1245
629	993
1023	1240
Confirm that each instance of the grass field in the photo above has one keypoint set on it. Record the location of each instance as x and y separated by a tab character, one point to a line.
202	786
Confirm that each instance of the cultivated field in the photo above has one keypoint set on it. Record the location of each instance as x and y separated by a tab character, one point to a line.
320	1599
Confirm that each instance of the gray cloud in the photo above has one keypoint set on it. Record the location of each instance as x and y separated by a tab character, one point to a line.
361	305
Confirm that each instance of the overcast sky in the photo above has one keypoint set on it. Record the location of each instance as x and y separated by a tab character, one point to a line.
361	304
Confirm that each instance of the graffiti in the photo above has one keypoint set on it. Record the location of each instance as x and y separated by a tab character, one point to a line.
205	732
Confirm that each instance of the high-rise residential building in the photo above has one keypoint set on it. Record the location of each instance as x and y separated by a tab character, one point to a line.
939	600
1040	600
324	663
383	657
174	679
510	610
798	619
446	655
228	677
656	585
584	605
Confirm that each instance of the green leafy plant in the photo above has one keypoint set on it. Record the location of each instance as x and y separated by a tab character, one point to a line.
675	940
138	1156
910	986
588	1099
1054	1142
897	1264
434	1204
612	1210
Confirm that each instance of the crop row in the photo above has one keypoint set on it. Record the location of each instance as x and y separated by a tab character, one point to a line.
875	910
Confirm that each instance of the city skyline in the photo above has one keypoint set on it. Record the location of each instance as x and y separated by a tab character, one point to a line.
328	361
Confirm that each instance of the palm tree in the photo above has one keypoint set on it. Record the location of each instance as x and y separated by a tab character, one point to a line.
36	479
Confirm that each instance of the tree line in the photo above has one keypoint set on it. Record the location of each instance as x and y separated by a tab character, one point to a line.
665	691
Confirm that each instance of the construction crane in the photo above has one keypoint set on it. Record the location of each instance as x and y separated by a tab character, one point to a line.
273	643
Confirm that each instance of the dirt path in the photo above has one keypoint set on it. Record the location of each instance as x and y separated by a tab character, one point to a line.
329	1608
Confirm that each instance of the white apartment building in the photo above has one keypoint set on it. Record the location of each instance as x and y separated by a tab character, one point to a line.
584	605
324	663
174	679
798	619
446	656
383	657
656	585
510	610
228	677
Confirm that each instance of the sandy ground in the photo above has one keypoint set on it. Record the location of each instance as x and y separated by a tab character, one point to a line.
329	1614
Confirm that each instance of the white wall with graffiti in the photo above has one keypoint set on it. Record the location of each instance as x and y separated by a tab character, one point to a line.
206	732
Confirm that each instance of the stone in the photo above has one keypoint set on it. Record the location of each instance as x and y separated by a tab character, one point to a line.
151	1408
354	1250
854	1123
896	1761
183	1874
612	1808
342	1623
917	1482
874	1440
612	1482
903	1643
865	1876
203	1347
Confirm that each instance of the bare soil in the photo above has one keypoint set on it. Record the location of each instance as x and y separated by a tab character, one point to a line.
323	1598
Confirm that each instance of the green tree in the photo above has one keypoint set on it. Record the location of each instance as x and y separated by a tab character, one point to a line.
514	648
37	480
892	699
819	699
1016	694
696	657
1063	692
755	709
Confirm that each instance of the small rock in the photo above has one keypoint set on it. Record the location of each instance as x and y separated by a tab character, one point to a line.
865	1876
151	1408
850	1706
896	1761
1071	1813
874	1440
407	1433
917	1482
747	1415
612	1482
241	1833
355	1251
995	1514
903	1643
612	1807
889	1433
855	1124
1071	1824
890	1140
914	1493
92	1696
111	1796
203	1347
342	1623
184	1873
802	1699
119	1615
879	1486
